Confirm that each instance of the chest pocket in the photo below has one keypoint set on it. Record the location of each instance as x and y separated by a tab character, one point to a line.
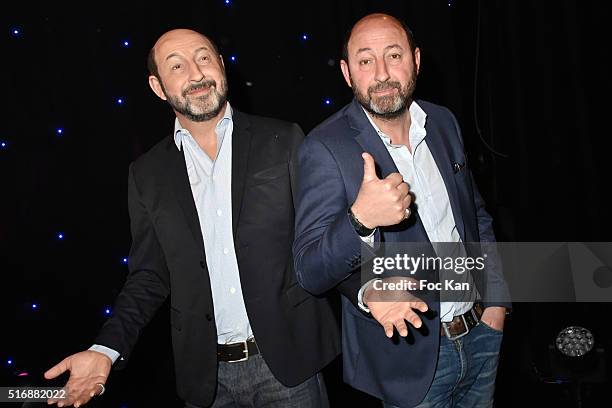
268	174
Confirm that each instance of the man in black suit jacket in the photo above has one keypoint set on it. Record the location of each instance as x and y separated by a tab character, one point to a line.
212	216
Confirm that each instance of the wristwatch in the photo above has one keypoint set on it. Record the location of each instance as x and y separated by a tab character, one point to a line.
361	229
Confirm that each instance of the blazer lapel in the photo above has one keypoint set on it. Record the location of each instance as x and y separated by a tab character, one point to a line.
241	147
182	189
370	141
439	148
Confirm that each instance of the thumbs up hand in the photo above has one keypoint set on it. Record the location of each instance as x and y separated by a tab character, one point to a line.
379	202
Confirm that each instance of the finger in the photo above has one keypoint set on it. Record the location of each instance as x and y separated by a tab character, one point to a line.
82	399
388	326
407	201
62	392
69	396
404	189
57	369
394	179
369	167
401	327
95	390
66	402
413	319
420	306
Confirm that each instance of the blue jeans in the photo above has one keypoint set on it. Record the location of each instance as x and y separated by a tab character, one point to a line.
465	375
250	383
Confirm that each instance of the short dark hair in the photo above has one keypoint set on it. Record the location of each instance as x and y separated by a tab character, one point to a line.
152	65
402	23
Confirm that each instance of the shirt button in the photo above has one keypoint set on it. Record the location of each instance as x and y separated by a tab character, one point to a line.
219	212
225	250
233	290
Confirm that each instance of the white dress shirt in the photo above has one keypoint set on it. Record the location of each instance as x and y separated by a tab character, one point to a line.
419	170
211	182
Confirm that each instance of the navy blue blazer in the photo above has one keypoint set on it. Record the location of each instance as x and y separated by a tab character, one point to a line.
328	251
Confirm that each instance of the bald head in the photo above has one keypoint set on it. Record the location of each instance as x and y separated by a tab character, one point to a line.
169	40
371	22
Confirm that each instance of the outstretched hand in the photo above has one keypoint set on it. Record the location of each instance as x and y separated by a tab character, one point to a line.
392	308
87	369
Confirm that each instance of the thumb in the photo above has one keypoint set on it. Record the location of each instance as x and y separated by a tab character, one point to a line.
369	167
57	369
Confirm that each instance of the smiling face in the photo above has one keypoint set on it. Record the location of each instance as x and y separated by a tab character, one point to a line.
382	67
190	75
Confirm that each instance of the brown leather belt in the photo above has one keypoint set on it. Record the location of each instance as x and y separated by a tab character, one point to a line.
234	352
462	324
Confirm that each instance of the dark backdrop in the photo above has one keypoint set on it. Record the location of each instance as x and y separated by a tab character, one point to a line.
528	81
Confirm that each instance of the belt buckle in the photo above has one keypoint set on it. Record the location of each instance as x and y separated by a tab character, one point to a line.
458	336
245	351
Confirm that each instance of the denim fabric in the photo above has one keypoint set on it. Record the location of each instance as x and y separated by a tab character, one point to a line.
250	383
466	370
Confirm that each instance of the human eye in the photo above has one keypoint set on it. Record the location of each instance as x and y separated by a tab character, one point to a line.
176	67
365	61
394	57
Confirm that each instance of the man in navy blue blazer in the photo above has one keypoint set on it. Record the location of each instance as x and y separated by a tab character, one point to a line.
387	168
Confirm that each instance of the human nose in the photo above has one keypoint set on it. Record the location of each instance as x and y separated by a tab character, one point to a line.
195	73
381	71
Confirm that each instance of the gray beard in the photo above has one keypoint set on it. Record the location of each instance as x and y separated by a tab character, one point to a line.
388	107
185	107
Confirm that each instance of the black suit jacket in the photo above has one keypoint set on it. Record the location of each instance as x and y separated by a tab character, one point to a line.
296	332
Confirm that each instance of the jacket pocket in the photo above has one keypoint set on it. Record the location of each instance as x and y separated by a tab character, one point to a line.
267	175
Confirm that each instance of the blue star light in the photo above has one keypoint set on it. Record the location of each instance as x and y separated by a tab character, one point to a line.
125	43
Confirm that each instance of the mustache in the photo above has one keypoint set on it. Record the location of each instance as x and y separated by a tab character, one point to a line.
383	86
207	83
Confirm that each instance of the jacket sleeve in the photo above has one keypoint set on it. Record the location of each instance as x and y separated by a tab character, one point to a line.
147	284
327	250
496	289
